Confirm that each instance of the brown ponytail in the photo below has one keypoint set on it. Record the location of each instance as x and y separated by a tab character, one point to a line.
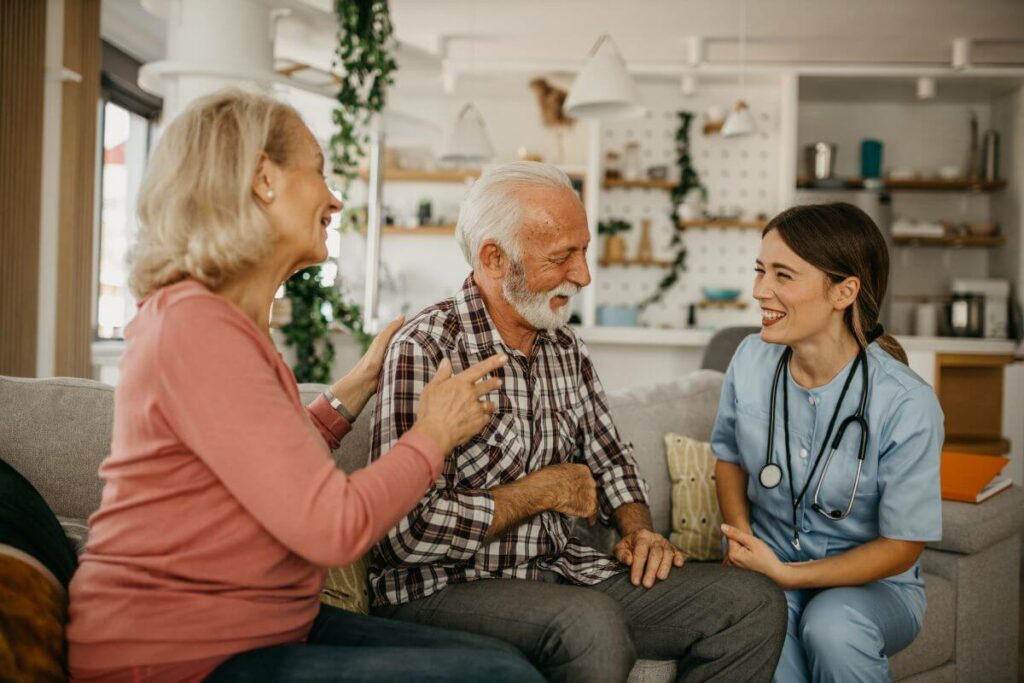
843	241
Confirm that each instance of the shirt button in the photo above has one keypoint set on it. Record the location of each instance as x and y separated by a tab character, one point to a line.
803	453
810	399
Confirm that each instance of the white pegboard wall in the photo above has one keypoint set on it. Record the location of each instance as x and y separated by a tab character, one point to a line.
741	176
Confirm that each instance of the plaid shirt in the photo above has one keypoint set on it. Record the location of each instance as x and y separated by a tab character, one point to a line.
550	409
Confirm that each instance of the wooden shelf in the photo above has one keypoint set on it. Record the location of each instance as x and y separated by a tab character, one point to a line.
637	262
443	176
414	230
958	241
722	304
930	184
666	184
720	223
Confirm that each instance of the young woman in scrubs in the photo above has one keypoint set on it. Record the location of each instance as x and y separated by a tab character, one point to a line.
841	535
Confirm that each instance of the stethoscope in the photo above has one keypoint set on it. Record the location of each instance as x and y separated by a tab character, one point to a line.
771	474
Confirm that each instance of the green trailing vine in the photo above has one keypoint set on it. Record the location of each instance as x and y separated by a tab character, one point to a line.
688	181
364	58
314	306
612	226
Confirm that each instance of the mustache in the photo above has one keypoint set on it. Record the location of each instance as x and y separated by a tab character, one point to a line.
566	289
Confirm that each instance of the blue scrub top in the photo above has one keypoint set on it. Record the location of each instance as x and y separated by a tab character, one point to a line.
898	496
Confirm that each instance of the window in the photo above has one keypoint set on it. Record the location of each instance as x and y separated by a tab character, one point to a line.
125	147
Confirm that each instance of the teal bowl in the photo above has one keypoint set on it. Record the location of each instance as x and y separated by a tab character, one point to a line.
721	294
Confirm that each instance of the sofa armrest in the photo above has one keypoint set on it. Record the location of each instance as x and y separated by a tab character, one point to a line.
969	528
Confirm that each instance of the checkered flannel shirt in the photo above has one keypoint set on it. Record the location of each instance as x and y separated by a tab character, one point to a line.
551	409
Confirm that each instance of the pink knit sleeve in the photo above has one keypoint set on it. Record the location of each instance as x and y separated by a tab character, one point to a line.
221	395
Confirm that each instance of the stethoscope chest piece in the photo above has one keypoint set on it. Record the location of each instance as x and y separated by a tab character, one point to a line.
770	475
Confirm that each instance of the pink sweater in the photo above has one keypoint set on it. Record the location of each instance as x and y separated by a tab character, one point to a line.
222	505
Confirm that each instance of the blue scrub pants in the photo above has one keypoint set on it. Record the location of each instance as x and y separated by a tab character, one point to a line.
848	634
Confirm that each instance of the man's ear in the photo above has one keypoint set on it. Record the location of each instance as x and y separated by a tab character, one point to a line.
493	259
263	180
844	293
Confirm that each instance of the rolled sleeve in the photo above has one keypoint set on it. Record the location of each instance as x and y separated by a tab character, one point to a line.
910	507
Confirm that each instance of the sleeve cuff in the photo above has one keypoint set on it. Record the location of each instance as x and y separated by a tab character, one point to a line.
332	425
476	514
620	486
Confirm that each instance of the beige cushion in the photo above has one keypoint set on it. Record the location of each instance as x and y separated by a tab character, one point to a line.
696	520
347	587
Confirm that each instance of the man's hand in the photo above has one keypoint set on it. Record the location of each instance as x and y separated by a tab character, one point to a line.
649	556
570	489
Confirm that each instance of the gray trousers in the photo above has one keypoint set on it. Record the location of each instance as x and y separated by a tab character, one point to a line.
720	623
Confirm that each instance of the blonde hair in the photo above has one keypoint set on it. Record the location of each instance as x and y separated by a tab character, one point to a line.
198	217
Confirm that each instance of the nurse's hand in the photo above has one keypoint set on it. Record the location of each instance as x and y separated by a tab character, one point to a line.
750	552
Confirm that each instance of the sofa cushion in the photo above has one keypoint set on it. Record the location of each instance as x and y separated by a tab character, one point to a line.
643	415
968	528
696	520
347	587
56	432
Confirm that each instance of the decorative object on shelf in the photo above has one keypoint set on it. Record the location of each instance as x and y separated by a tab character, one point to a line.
689	182
714	119
633	166
870	159
364	55
612	166
659	172
973	153
614	246
617	316
552	112
989	171
603	89
820	160
309	329
720	293
645	251
424	211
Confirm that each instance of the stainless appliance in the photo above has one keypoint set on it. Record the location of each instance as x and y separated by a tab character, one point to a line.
993	317
964	315
820	160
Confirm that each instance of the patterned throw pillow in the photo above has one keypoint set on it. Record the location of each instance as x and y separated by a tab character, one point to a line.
347	587
696	520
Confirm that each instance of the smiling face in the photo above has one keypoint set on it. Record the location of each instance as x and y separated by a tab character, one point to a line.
553	240
798	301
301	206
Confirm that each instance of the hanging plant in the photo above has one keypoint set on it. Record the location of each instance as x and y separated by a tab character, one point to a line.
314	306
688	181
364	58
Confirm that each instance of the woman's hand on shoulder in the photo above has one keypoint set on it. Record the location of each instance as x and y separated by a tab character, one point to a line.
356	388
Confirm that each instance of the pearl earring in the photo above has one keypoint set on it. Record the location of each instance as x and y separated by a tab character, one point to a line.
270	195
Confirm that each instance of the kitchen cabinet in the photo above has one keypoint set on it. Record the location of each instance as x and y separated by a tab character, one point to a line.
970	390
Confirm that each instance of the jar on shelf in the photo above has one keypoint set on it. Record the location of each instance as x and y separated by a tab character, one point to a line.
633	166
612	166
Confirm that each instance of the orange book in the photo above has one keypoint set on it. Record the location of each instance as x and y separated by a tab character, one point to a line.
972	478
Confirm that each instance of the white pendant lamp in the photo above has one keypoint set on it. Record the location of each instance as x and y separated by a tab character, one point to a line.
469	142
603	89
740	122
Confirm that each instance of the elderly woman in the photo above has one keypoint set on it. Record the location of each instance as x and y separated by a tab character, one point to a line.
222	505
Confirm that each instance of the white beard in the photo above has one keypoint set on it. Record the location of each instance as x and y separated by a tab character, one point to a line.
536	307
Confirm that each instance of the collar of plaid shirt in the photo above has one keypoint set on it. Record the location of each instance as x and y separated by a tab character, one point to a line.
551	409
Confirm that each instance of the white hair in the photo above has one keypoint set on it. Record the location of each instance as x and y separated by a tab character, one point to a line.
492	210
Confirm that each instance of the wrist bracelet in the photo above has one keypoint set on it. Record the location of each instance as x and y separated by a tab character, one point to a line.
338	407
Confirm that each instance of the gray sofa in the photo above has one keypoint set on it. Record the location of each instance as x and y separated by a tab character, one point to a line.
57	431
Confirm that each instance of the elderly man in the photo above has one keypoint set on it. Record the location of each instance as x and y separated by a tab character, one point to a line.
505	504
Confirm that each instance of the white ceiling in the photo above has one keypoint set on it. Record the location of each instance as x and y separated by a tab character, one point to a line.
492	32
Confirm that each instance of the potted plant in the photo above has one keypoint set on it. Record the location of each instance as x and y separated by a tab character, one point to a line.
614	246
